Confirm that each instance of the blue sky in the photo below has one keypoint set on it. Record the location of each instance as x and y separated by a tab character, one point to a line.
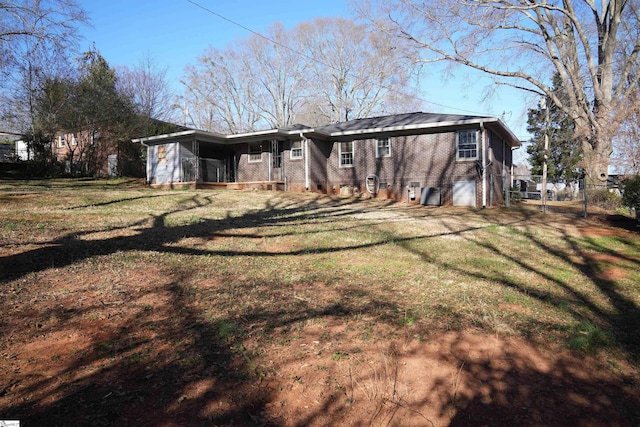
175	32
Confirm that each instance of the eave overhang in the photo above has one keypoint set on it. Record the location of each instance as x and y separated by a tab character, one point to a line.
494	123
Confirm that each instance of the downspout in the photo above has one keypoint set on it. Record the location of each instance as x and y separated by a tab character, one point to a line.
512	167
306	161
148	162
504	154
484	165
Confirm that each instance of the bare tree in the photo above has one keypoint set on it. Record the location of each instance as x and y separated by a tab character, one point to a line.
592	45
319	72
51	22
35	66
276	66
219	93
37	38
257	83
353	73
147	86
626	154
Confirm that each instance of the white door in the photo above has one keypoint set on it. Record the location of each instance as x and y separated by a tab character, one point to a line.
112	164
464	193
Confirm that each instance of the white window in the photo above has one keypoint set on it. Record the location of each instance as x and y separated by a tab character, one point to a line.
255	152
383	147
467	145
296	150
61	141
74	140
345	151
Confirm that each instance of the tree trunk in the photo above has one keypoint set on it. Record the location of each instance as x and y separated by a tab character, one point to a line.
596	160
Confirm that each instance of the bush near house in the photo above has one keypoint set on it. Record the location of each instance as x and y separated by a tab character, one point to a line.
631	194
601	197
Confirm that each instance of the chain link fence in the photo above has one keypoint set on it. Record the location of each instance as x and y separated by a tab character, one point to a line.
559	196
577	197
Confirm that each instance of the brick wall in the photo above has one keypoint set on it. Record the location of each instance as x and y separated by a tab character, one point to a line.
429	160
252	171
293	168
425	160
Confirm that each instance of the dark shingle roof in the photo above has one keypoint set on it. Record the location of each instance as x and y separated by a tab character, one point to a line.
294	127
395	120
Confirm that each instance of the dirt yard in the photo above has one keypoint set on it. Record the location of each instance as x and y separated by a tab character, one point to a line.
122	305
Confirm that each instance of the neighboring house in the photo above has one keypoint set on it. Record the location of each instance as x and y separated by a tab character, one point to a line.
87	152
23	152
6	151
421	157
8	146
103	154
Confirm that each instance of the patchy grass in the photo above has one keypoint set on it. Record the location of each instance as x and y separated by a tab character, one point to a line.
127	305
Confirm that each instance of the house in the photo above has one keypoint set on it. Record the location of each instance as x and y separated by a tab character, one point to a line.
427	158
9	142
103	153
6	151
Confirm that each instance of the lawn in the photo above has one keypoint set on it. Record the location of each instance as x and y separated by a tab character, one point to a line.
125	305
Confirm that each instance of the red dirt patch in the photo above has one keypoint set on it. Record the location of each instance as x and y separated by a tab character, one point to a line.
608	226
123	340
611	225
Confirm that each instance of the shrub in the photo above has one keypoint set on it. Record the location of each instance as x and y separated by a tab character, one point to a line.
631	194
514	194
603	198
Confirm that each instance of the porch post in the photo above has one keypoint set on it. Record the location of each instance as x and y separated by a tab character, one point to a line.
484	164
271	160
306	162
196	152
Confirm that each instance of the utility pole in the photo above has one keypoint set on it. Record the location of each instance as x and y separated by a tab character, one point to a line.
543	190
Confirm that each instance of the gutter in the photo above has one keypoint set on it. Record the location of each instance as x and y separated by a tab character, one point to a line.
413	127
195	133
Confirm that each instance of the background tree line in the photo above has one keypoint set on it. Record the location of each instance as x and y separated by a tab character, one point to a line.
50	87
320	72
333	69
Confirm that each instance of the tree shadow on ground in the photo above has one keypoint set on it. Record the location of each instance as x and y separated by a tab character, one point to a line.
157	358
115	379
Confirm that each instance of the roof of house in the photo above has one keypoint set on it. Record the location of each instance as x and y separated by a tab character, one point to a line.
411	122
374	125
393	121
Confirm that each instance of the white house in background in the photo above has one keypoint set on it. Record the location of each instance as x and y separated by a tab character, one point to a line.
8	140
22	151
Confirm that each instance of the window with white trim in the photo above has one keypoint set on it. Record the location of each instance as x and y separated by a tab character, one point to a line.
74	140
255	152
467	145
383	147
61	141
345	152
296	150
